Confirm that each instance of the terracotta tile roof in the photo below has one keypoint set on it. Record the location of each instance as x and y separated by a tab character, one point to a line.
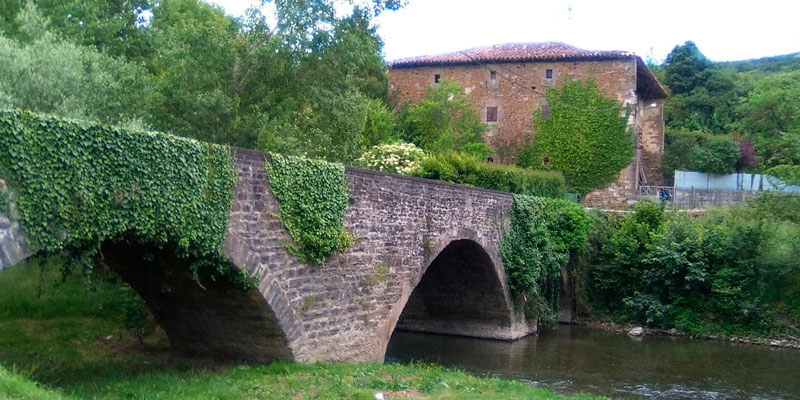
646	83
512	52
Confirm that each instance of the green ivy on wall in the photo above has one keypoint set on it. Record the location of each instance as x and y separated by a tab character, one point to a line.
313	198
543	235
584	137
78	184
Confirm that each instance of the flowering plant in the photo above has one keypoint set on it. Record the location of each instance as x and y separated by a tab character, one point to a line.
398	158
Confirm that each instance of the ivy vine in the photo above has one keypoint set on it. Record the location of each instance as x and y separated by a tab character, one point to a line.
79	184
543	234
313	198
584	137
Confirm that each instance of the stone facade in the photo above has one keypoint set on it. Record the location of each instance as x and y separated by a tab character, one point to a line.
518	90
426	258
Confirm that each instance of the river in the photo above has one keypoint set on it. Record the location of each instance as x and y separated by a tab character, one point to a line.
577	359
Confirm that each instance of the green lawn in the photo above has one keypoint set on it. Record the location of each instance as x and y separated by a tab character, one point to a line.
59	340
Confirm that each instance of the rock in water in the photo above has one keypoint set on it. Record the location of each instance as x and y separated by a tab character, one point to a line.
637	331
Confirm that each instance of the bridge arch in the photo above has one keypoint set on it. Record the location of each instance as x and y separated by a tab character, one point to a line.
208	318
461	291
216	318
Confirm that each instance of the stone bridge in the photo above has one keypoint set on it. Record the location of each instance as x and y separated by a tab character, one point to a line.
426	258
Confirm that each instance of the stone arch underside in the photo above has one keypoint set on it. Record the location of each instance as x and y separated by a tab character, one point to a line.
216	319
461	293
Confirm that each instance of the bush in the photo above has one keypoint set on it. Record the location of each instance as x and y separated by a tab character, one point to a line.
467	170
732	270
396	158
717	155
787	173
444	120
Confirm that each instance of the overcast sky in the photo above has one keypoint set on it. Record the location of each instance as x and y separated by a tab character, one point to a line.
723	30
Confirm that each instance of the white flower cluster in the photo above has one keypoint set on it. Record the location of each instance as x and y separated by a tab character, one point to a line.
398	158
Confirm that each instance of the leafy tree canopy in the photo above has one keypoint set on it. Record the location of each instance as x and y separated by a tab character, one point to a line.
703	96
110	26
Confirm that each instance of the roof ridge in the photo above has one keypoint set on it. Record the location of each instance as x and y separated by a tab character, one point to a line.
511	52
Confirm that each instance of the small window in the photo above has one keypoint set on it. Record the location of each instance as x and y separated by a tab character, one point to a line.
548	74
493	75
491	114
436	78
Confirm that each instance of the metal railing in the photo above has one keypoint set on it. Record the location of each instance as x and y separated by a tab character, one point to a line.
656	193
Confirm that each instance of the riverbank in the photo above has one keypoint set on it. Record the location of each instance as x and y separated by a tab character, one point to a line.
625	329
290	381
59	341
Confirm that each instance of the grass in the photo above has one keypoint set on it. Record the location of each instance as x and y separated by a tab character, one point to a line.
60	341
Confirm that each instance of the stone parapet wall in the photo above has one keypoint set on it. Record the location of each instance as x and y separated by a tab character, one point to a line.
697	198
614	195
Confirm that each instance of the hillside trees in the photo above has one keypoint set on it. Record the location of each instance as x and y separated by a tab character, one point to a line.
753	103
703	96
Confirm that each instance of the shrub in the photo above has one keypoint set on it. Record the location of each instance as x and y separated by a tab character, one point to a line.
584	137
444	119
731	269
787	173
397	158
717	154
467	170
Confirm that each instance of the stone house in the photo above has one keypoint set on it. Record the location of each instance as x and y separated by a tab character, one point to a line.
507	84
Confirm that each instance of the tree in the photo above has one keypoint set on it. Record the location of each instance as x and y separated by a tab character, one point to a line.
192	67
716	154
703	96
584	137
443	120
46	74
322	103
110	26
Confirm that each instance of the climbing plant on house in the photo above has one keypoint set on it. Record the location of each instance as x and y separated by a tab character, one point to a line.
78	184
584	136
313	197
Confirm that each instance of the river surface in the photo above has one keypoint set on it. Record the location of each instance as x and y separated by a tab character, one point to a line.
576	359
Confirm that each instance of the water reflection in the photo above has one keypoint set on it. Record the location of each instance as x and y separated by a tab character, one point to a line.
579	359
